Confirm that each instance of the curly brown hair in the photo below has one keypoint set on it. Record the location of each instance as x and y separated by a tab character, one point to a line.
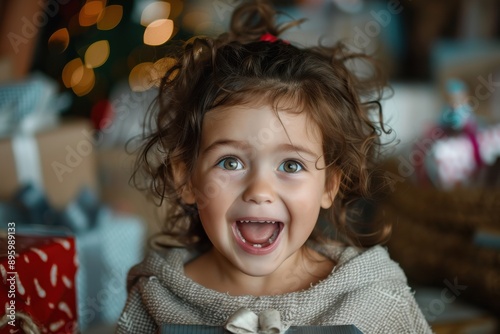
236	67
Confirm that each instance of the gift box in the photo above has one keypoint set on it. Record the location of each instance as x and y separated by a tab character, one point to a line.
38	282
114	168
453	161
106	253
59	160
108	244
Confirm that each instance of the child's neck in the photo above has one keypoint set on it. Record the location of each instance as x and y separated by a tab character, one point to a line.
302	271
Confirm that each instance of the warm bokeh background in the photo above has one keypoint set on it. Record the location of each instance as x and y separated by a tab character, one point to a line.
76	80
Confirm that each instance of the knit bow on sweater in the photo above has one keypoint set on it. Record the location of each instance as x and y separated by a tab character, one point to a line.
245	321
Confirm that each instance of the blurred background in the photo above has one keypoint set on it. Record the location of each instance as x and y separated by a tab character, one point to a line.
76	80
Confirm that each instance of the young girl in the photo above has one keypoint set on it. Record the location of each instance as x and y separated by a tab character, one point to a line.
253	139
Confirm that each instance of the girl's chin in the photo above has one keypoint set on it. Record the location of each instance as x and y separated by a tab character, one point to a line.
259	269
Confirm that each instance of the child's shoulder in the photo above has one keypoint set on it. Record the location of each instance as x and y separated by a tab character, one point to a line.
372	284
370	264
363	270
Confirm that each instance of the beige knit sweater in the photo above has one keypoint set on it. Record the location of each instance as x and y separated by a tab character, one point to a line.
366	289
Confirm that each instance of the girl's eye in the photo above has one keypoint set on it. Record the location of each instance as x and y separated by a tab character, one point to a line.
290	166
230	164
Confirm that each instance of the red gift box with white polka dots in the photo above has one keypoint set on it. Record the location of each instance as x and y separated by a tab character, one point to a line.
38	284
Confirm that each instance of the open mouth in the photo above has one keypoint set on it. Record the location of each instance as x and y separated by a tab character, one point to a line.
258	233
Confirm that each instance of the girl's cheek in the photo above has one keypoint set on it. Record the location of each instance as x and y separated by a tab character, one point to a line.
225	179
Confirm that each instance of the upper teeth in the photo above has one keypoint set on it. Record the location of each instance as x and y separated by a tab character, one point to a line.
258	221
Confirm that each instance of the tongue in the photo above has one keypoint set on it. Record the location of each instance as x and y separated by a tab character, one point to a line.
257	233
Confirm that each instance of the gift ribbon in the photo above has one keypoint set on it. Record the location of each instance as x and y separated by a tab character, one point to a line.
245	321
470	132
31	105
27	160
28	326
30	206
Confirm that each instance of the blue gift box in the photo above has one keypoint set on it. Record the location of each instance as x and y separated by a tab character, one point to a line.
106	252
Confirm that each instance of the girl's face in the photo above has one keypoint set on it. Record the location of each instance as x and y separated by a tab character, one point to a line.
257	186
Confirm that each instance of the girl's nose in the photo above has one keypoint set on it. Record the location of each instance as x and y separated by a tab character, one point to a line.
259	190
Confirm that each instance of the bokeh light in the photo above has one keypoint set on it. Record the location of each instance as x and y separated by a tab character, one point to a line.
82	80
79	77
69	69
160	67
110	17
97	54
176	7
59	41
90	12
141	77
155	11
158	32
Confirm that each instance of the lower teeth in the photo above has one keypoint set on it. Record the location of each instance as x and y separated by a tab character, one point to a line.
268	243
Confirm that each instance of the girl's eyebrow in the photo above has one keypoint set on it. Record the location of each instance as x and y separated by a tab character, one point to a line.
240	144
297	148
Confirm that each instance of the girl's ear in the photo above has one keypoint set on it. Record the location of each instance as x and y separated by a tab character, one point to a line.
183	183
332	185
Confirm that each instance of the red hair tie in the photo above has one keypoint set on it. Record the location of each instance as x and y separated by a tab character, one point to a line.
267	37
